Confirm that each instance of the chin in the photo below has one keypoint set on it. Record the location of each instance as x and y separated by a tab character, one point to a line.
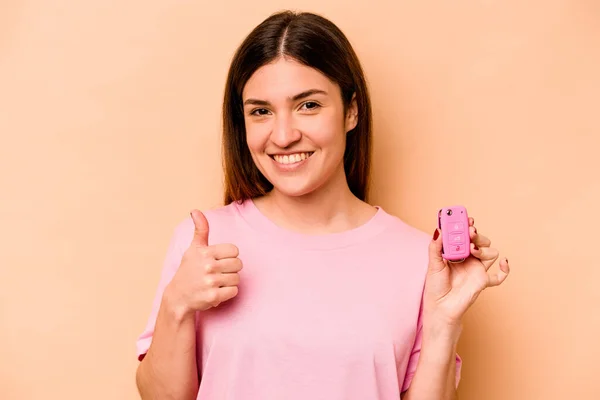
294	186
289	190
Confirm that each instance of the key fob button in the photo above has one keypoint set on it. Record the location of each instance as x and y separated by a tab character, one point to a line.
456	238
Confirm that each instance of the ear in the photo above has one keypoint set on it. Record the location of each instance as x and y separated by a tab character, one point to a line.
352	114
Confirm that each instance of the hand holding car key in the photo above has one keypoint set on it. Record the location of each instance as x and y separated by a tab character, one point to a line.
458	266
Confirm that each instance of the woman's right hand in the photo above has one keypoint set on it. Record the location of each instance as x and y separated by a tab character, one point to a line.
207	275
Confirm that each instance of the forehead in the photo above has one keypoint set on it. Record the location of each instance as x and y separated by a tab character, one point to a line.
284	78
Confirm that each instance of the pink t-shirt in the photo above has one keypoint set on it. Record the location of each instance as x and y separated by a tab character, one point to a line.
331	317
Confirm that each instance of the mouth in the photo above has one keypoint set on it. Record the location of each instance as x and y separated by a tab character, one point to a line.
290	159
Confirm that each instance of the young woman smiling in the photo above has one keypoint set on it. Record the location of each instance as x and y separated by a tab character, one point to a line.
298	287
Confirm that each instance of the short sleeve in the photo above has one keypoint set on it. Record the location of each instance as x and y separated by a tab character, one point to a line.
414	357
170	265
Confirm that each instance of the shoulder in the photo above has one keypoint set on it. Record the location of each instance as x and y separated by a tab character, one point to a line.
398	228
404	241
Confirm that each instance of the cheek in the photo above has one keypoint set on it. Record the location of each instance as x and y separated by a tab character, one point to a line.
256	136
327	133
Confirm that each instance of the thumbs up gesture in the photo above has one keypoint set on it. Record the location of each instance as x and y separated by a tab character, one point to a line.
207	275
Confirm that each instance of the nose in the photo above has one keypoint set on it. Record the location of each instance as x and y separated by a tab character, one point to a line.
284	134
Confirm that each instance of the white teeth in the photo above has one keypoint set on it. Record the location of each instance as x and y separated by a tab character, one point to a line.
291	158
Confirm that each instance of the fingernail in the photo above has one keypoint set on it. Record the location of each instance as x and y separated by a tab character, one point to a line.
436	234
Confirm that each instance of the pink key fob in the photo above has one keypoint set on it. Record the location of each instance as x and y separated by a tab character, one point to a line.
454	224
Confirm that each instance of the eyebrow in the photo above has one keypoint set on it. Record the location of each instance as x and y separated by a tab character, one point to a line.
297	97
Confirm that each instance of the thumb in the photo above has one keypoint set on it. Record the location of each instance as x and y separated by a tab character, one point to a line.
200	228
436	262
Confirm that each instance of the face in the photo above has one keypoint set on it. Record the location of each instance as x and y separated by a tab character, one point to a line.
296	126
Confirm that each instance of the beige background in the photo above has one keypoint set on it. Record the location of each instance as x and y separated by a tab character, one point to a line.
109	123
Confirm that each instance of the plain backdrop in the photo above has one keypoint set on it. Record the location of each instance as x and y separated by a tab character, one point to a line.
109	124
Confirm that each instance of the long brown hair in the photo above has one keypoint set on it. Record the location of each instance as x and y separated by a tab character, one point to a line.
318	43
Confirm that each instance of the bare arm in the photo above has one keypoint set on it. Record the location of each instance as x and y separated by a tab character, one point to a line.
169	369
206	277
450	289
435	377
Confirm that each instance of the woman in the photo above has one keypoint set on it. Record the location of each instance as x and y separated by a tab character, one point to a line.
298	288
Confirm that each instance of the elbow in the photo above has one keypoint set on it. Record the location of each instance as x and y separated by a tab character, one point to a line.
151	388
140	381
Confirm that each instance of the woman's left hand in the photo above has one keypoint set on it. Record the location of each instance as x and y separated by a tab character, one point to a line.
451	288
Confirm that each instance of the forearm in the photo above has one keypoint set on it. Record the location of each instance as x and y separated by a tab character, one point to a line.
435	377
169	369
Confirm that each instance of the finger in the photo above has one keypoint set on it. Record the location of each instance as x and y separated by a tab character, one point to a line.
200	228
480	240
471	221
436	262
217	280
472	232
228	265
232	279
226	293
497	279
487	255
219	295
224	250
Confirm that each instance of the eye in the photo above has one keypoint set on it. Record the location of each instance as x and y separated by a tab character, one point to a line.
259	112
310	105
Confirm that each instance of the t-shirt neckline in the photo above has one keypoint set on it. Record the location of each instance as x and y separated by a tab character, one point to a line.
260	223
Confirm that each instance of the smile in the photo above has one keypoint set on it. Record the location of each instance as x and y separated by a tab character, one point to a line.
291	158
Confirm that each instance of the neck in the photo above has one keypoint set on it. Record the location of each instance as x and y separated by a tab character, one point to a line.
332	208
